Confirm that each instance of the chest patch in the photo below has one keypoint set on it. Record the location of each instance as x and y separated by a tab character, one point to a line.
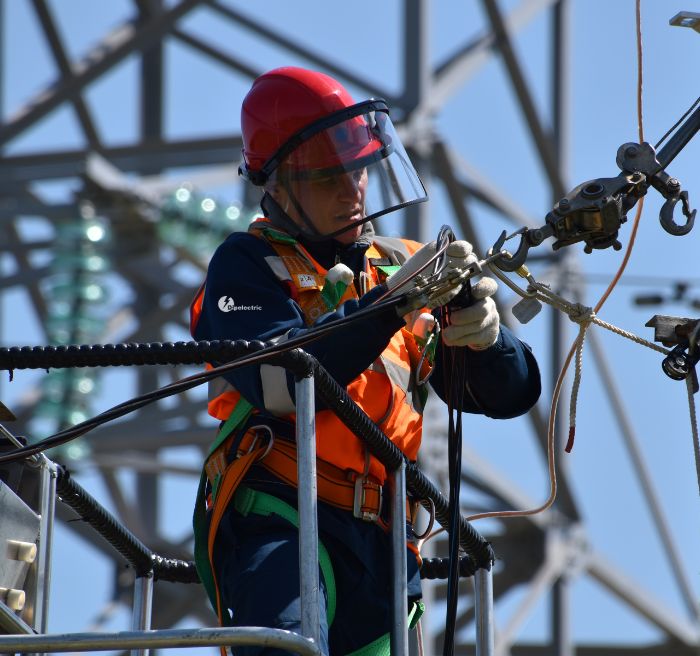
306	280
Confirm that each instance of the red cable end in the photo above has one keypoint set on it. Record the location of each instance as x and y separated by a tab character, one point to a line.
570	442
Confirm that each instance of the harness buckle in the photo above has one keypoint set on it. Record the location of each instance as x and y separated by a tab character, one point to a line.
359	500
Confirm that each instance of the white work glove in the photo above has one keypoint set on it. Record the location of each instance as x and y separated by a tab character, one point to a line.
475	326
459	256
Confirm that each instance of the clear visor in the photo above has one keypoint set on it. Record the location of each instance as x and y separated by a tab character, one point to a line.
347	173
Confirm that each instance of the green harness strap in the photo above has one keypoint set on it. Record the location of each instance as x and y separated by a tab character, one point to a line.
252	501
382	645
199	518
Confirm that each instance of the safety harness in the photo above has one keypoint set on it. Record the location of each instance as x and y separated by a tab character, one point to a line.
239	445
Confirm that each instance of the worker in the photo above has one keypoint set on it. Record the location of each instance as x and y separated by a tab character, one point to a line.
327	166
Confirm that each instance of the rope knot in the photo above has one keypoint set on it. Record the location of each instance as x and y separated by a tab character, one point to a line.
580	313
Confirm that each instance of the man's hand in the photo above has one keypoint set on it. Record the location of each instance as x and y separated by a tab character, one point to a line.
475	326
459	256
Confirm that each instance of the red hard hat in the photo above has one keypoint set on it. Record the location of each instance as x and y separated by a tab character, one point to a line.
284	102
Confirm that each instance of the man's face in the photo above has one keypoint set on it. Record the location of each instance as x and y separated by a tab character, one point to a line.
332	203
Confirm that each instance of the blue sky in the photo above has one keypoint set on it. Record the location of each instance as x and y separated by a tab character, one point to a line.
482	124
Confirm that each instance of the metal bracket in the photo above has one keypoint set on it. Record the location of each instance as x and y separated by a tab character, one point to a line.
685	335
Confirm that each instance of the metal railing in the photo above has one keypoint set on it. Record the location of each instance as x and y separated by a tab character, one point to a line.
311	381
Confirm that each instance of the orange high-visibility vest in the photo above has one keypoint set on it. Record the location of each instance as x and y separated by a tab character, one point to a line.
386	391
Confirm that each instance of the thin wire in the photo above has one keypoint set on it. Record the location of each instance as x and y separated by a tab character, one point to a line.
640	69
693	425
676	124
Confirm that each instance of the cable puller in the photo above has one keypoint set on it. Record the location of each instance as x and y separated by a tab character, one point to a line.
593	211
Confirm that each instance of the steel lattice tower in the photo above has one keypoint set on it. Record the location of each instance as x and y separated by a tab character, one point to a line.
108	231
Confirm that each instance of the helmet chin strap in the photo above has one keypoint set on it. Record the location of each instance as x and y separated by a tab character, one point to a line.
314	234
274	211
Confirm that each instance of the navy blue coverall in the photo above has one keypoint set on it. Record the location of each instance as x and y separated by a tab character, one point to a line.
256	558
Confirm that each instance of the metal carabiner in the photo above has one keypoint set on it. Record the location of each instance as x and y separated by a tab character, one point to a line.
422	381
666	215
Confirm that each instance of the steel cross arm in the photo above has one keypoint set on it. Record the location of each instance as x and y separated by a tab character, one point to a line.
476	185
445	170
17	207
135	158
24	265
296	48
450	76
112	50
59	55
543	141
623	587
29	278
554	566
223	58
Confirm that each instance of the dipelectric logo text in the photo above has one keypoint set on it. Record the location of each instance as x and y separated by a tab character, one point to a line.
227	304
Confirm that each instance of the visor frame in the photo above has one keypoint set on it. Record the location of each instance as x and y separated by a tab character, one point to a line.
260	177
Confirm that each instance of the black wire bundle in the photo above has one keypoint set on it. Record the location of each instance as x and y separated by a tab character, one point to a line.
454	361
454	365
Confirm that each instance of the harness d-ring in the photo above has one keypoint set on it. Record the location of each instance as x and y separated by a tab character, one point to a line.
271	441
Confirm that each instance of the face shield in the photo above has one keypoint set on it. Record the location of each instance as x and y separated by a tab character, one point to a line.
344	170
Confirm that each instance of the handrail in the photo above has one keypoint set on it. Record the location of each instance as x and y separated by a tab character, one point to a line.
148	566
227	637
298	362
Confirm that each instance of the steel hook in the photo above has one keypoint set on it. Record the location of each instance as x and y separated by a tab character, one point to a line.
666	215
511	261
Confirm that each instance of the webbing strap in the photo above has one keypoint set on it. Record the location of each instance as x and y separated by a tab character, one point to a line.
199	518
379	647
252	501
240	413
382	645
